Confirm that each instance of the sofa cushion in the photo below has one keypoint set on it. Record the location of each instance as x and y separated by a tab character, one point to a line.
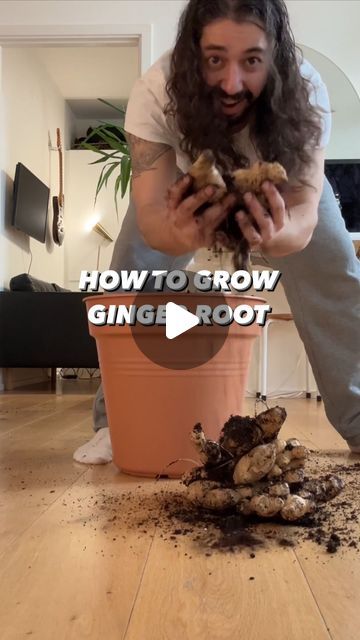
25	282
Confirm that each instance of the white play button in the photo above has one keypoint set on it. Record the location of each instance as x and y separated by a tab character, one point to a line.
184	311
178	320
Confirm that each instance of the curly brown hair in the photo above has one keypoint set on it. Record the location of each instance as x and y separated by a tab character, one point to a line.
286	127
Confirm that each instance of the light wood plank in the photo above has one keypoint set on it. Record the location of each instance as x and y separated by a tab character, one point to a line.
36	467
67	577
335	579
14	417
335	584
21	399
213	597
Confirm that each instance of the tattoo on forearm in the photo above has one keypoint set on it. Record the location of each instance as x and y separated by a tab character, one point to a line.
144	154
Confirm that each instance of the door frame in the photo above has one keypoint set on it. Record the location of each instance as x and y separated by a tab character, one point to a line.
82	35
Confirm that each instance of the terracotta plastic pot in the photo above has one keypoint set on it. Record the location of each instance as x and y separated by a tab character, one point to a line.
151	409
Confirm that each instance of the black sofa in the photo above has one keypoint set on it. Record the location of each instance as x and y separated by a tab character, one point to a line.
40	328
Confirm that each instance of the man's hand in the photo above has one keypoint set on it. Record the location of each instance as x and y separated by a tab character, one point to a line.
261	227
287	225
188	230
166	216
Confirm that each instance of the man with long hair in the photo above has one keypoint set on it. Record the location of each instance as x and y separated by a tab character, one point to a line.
235	83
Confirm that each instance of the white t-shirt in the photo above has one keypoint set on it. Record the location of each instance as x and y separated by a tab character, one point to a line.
145	116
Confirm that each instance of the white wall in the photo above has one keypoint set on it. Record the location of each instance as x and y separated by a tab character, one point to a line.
76	70
163	14
81	251
331	27
345	107
32	108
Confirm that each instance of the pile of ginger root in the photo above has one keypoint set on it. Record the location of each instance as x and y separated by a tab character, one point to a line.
252	470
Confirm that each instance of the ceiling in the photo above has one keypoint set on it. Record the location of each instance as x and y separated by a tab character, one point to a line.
85	73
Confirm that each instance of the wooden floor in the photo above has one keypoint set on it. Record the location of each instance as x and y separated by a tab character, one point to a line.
68	571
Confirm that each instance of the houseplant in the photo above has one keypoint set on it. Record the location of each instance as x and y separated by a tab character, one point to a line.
109	141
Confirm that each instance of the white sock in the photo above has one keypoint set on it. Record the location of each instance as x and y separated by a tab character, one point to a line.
97	451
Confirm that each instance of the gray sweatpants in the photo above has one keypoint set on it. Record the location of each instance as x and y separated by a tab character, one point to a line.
322	285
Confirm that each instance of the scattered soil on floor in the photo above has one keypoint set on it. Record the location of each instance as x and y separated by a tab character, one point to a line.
168	513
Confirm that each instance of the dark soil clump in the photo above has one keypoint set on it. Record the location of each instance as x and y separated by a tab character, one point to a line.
235	534
333	543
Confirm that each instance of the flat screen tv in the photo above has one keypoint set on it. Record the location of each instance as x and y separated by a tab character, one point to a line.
344	177
31	202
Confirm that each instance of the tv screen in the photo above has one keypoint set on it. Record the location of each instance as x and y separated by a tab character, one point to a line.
31	201
344	176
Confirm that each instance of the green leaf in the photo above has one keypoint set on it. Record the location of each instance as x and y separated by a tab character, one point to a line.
92	147
116	189
113	142
113	135
125	174
110	134
107	157
104	176
117	157
103	133
114	129
91	135
100	183
104	128
109	172
112	125
119	109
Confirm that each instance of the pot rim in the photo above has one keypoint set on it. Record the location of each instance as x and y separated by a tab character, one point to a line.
112	296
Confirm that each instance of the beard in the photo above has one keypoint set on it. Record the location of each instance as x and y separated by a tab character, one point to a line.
235	121
213	129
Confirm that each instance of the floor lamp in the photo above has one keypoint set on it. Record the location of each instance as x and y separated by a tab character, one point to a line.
98	228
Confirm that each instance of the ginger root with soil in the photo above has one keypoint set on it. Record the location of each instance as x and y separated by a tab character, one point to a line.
204	172
252	470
